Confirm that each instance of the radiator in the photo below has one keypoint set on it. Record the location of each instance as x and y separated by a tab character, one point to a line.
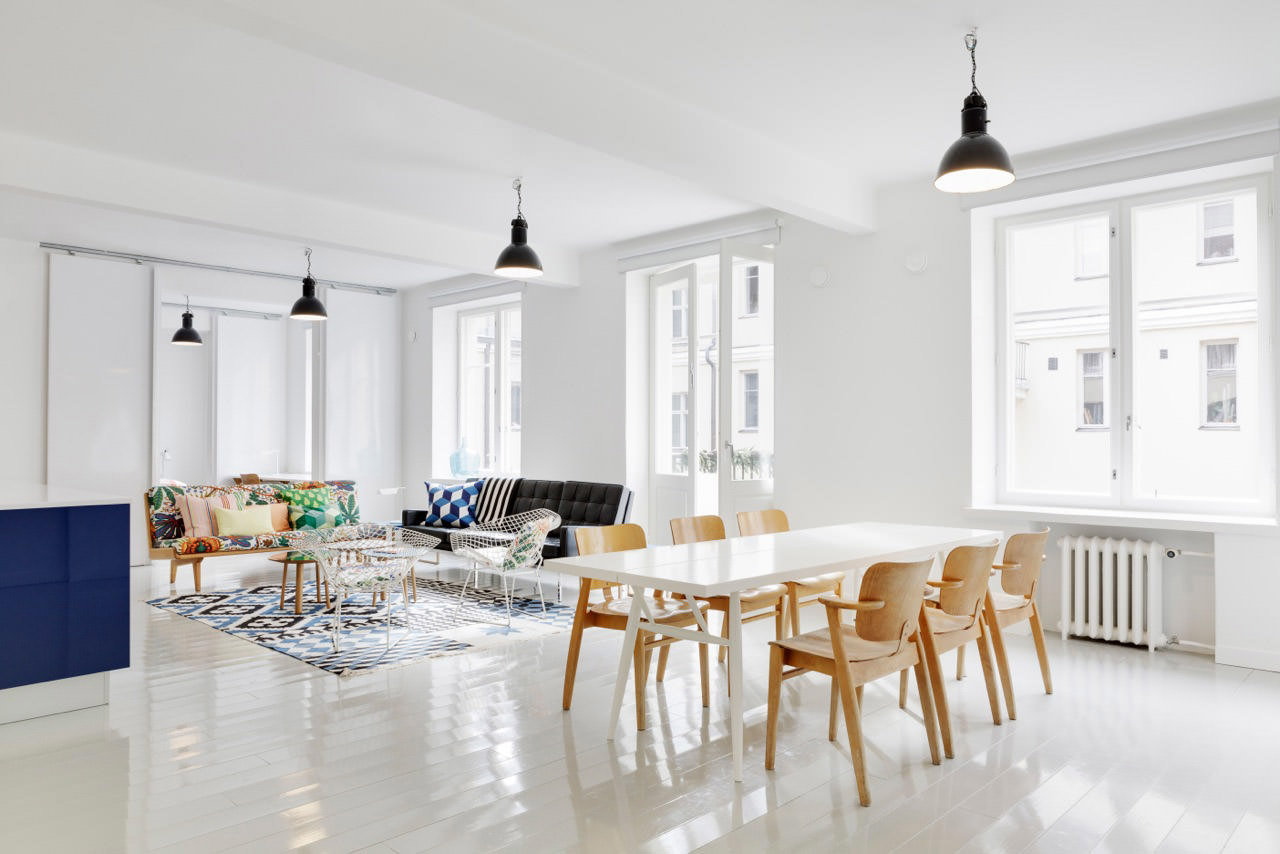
1111	590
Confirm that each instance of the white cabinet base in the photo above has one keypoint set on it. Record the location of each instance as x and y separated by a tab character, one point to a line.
50	698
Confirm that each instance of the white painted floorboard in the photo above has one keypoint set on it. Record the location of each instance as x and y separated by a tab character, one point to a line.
211	743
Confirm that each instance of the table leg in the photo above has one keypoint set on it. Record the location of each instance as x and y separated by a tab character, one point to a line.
284	583
297	589
624	660
735	681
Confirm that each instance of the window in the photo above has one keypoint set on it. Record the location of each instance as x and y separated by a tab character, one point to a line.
1217	231
751	290
1093	389
1093	249
750	400
680	432
1219	383
489	392
679	313
1156	358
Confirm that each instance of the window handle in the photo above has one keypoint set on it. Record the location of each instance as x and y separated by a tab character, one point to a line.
1128	422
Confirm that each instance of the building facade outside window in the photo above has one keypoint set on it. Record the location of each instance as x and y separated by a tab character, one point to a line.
1220	383
1093	389
751	291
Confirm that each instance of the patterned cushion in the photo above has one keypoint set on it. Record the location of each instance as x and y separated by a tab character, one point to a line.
495	495
527	546
198	519
311	518
204	545
258	493
453	506
313	499
165	520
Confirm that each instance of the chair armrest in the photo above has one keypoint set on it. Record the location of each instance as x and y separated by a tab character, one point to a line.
941	584
851	604
1007	567
413	517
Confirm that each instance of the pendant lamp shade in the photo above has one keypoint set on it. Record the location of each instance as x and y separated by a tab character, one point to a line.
308	306
518	260
187	336
976	162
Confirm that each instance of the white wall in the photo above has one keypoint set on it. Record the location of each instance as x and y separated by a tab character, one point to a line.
184	400
24	299
250	380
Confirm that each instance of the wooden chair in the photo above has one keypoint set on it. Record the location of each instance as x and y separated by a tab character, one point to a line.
753	522
248	479
951	622
1015	602
883	640
758	603
612	612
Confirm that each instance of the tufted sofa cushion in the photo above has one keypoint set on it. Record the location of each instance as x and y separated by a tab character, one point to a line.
590	503
536	495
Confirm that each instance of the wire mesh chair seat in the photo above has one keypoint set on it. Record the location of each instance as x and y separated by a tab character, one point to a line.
510	546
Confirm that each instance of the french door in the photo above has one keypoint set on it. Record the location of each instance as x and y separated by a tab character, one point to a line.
711	382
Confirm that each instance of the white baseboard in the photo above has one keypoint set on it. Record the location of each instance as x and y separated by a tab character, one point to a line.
1257	659
50	698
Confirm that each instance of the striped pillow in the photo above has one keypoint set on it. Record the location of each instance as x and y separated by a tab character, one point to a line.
197	513
495	497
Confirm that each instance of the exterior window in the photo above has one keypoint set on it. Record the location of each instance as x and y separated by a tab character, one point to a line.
679	313
489	395
1093	389
515	405
750	400
1220	384
1218	231
1092	249
751	290
680	432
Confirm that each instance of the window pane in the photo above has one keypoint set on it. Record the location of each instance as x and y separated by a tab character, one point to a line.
1196	431
1093	255
752	373
508	426
671	379
1059	349
477	445
751	294
1220	246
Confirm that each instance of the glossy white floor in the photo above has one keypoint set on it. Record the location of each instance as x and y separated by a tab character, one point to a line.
214	744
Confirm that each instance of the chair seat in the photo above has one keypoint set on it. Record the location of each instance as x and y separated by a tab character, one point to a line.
1009	602
664	611
377	576
818	643
817	584
940	622
491	557
755	597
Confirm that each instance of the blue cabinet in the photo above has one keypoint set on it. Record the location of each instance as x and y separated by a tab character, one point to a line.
64	592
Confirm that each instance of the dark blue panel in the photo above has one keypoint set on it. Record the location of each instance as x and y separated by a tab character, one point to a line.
33	547
97	626
98	542
33	634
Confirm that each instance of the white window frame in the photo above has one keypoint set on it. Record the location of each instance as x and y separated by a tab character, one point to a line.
501	400
1122	333
1202	233
1081	274
1205	423
1104	360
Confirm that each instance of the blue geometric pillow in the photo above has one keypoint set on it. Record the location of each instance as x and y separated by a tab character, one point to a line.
452	506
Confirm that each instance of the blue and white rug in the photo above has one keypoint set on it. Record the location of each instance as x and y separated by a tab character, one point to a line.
428	628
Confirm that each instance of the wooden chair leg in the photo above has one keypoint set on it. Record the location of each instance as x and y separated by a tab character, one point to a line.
575	645
195	573
648	659
326	598
853	725
988	672
793	607
173	572
1002	658
724	633
298	587
902	689
934	666
1037	634
927	710
834	710
413	583
284	583
779	619
775	700
662	661
704	671
960	662
642	676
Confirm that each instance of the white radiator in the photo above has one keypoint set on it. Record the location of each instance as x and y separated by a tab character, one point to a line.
1111	590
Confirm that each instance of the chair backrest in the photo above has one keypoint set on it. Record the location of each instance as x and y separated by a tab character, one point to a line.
971	566
900	586
752	522
696	529
1026	550
530	530
250	478
598	539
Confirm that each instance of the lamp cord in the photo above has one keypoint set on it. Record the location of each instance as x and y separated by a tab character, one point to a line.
516	185
971	42
307	252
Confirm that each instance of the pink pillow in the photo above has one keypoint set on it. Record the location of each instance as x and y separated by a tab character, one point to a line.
197	513
280	516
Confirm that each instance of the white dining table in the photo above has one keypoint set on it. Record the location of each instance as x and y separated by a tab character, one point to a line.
728	567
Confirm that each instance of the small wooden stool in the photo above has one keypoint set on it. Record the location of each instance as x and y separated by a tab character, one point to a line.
299	560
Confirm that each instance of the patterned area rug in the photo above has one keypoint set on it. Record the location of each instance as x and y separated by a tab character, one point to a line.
428	628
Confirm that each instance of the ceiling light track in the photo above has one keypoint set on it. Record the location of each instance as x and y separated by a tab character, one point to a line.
227	312
218	268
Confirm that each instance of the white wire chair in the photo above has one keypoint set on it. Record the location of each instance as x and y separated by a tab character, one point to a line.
509	546
372	560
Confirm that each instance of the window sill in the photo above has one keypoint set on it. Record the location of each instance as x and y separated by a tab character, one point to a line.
1092	278
1209	262
1230	428
1093	428
1205	522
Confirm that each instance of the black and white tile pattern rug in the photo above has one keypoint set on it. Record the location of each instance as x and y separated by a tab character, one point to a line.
428	628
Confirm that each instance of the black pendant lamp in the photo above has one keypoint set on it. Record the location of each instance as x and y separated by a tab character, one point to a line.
308	306
518	260
975	162
187	336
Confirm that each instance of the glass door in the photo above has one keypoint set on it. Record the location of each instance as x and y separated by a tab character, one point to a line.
674	418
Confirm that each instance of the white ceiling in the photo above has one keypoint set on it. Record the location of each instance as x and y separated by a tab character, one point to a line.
625	118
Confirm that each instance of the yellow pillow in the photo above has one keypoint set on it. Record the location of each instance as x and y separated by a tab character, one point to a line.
249	522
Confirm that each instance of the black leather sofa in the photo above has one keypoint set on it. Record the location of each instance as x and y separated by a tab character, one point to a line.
577	502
